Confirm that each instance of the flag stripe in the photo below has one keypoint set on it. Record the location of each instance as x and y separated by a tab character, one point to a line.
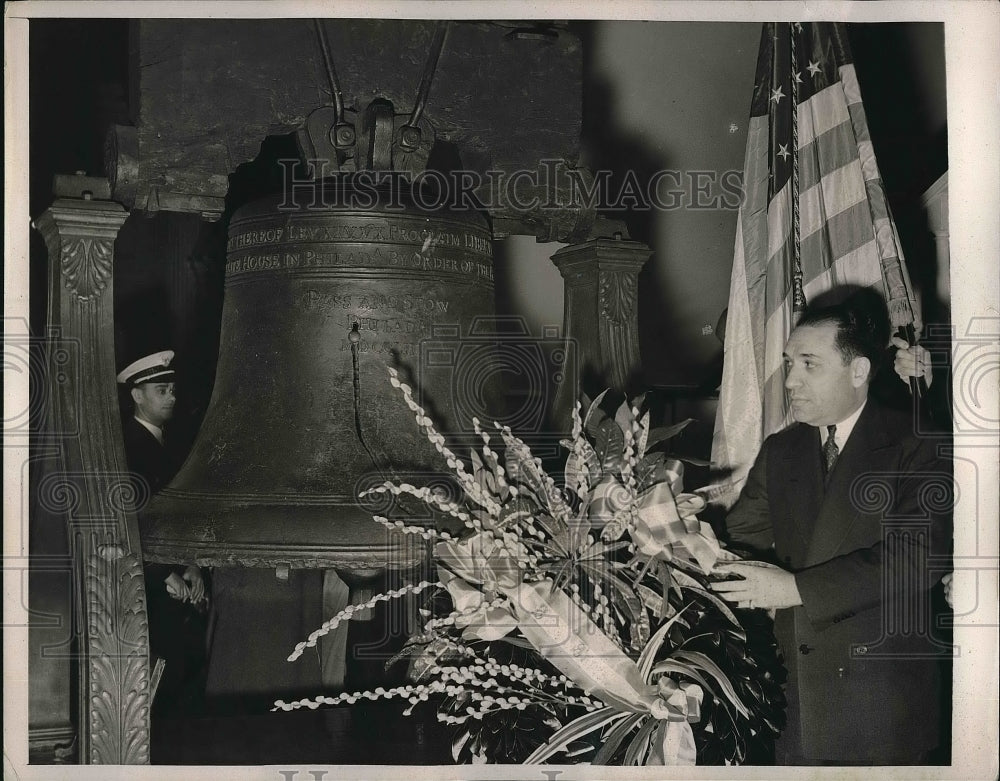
824	110
834	149
840	190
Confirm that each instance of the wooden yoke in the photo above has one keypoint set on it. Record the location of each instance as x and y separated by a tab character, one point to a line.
92	490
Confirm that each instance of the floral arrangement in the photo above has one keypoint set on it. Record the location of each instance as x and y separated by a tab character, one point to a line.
575	623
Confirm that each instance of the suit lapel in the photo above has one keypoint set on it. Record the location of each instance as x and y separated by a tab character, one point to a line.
804	474
863	454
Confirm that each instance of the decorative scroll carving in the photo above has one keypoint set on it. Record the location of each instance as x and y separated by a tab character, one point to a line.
86	266
119	669
618	294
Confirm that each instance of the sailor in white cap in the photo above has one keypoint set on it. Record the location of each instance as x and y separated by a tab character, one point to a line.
150	381
171	590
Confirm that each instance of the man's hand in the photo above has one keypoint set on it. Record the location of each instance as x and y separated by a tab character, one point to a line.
912	361
196	584
946	582
763	585
176	587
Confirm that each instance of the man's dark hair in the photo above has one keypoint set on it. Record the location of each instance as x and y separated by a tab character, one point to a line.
862	328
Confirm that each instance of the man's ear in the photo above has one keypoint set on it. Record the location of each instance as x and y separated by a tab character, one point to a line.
861	369
136	394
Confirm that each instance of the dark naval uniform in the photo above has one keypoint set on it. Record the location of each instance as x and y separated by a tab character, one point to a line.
176	628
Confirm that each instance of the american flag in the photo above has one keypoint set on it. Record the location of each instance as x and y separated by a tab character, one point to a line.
814	217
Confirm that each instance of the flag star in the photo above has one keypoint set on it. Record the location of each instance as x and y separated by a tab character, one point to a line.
814	68
777	95
797	76
783	152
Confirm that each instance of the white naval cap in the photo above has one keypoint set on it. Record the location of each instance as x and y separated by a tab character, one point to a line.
152	368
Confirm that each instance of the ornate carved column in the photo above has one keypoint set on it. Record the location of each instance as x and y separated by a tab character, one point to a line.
92	490
600	313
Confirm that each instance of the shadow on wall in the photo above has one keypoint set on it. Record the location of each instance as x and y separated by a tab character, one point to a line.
658	111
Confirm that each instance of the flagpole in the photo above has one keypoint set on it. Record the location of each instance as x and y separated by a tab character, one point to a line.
798	294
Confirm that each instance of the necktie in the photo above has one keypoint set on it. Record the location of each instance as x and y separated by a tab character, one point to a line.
830	449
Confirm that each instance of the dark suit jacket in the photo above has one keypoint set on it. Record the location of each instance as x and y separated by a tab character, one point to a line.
147	458
153	465
866	546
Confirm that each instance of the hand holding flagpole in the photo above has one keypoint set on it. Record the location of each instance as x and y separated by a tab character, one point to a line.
912	362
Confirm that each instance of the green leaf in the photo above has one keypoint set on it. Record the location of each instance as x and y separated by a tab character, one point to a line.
719	603
623	417
694	461
578	747
615	738
684	579
700	659
609	444
654	601
639	747
457	745
658	435
653	646
594	415
477	462
518	642
575	730
651	470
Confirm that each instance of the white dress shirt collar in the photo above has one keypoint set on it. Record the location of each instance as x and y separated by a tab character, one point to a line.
157	432
845	427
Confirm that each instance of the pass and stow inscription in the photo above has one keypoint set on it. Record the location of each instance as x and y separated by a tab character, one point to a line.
368	233
240	262
388	323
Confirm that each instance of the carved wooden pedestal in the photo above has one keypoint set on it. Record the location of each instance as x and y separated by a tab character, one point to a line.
600	315
92	490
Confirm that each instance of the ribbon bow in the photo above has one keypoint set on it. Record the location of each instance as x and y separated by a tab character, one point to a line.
677	701
676	706
666	526
481	559
563	634
474	572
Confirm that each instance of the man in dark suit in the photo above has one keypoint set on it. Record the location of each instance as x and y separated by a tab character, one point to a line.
173	592
849	512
